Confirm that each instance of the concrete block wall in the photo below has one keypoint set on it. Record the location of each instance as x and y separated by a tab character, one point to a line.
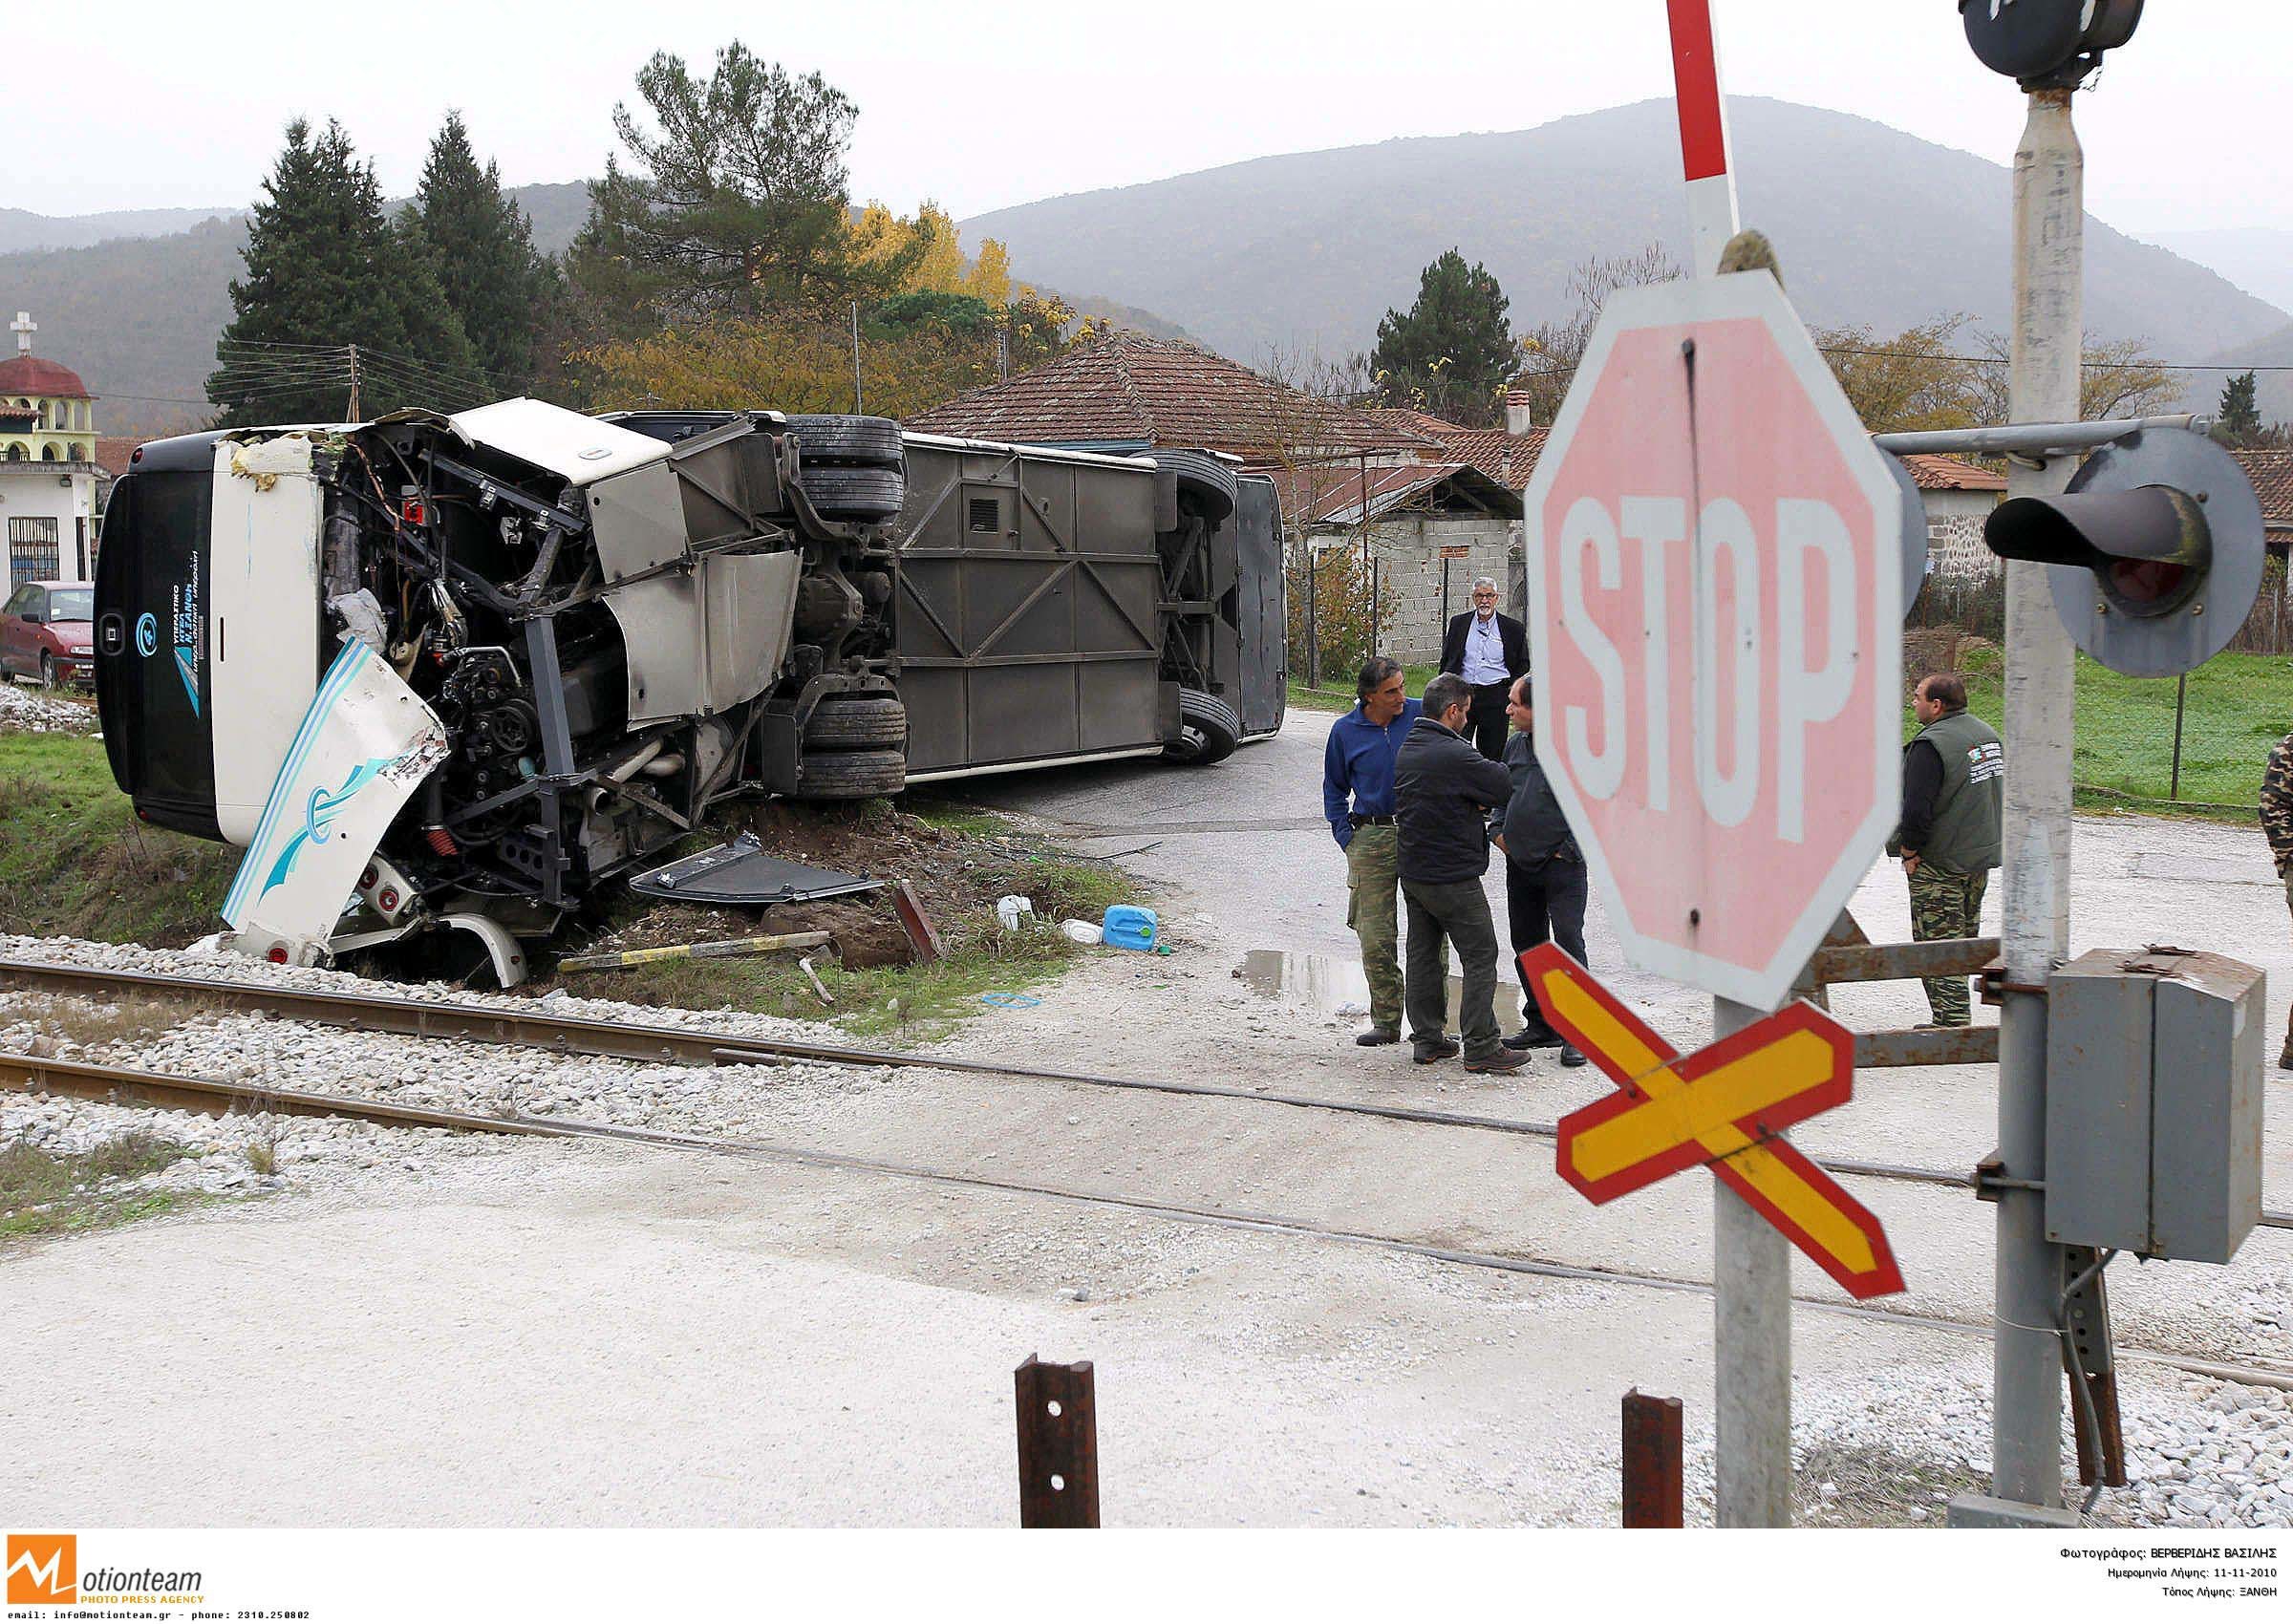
1409	575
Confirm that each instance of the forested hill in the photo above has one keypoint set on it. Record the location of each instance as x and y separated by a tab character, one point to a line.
1873	226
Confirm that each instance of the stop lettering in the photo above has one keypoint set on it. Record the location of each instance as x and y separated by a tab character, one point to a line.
1714	586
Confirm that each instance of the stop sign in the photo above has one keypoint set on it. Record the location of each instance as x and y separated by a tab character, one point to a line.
1714	584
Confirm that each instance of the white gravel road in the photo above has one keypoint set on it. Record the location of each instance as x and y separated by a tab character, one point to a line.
413	1328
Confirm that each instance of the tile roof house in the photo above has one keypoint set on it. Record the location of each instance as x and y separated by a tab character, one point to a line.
1933	472
2272	475
1500	453
1128	391
1334	494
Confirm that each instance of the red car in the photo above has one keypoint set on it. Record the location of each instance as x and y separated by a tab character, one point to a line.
46	631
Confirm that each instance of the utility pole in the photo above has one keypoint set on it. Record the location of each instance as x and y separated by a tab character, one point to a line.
856	408
353	406
2042	388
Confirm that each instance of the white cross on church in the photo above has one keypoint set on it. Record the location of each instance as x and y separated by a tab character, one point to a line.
23	326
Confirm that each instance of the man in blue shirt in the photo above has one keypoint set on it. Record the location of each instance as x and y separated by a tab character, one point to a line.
1356	797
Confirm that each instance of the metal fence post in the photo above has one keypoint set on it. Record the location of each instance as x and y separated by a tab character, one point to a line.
2181	695
1059	1445
1752	1344
1653	1493
1313	629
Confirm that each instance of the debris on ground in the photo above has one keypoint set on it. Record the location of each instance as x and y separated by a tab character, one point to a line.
737	947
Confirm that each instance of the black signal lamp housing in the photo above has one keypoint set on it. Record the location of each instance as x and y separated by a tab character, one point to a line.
2157	546
2045	44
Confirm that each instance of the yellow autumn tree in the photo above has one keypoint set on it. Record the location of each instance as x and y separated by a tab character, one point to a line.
879	236
990	280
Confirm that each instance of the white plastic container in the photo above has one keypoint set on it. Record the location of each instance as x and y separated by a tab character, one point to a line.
1011	910
1083	930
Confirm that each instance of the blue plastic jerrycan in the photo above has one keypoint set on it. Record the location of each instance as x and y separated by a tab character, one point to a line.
1128	927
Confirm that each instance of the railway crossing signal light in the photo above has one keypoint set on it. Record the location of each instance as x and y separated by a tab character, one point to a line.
2159	544
2041	43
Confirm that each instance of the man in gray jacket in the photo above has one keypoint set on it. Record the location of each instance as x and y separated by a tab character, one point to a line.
1545	878
1442	792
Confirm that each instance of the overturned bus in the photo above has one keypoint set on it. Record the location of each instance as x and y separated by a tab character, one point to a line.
453	673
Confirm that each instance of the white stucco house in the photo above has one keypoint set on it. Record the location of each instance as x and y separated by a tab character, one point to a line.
48	469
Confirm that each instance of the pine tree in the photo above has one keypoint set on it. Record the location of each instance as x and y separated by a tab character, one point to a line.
481	247
739	206
325	272
1450	354
2239	418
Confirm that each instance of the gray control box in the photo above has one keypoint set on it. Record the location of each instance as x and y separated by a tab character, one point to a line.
2154	1102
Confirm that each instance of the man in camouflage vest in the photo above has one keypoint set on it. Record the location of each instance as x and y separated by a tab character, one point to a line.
1954	785
2277	825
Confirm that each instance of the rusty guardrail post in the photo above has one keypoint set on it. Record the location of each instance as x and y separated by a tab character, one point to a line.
1651	1474
1059	1445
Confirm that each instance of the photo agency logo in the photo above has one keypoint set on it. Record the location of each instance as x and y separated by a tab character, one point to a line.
43	1569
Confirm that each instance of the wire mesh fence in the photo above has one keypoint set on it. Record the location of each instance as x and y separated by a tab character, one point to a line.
2199	741
1335	610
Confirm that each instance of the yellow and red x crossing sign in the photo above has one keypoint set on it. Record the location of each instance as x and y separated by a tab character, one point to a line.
1725	1106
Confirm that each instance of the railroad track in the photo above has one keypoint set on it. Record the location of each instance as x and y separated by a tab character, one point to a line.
566	1034
119	1084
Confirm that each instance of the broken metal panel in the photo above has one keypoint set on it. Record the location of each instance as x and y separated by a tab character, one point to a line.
699	642
640	522
582	450
263	635
367	741
739	873
750	604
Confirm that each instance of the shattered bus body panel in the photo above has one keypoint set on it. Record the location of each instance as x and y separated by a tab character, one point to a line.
615	623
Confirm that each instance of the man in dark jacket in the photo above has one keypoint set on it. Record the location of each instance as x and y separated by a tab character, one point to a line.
1545	879
1489	649
1954	784
1442	792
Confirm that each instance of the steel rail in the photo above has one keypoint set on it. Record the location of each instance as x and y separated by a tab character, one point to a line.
83	1080
650	1043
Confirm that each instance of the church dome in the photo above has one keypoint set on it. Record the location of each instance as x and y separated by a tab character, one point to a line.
30	374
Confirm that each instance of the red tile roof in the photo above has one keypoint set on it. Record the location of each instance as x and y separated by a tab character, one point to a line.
1505	458
1332	493
1129	387
2272	475
1933	472
113	452
29	374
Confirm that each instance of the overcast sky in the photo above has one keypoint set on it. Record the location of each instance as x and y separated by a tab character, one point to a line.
142	105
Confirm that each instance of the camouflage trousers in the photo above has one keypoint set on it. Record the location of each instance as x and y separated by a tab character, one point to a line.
1373	881
1945	906
2284	1058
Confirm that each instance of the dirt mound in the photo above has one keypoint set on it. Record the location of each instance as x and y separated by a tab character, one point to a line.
957	873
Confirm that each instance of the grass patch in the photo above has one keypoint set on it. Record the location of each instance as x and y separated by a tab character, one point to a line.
956	817
74	861
2237	708
45	1194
